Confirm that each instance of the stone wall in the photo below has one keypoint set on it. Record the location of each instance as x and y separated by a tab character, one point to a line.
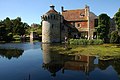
51	28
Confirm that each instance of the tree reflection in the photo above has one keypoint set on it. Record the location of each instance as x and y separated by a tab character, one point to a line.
115	63
54	61
11	53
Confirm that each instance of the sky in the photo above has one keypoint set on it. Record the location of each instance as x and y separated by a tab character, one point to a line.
31	11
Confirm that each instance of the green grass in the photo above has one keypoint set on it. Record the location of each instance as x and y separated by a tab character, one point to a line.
102	51
105	51
85	42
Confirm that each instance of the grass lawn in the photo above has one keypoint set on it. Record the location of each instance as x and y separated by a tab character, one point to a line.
105	51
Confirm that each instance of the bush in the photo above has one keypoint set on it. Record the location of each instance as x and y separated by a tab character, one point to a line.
8	37
85	41
98	41
114	37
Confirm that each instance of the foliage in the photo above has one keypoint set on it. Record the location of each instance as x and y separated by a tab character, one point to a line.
11	53
19	27
114	37
85	41
35	28
103	27
117	19
9	27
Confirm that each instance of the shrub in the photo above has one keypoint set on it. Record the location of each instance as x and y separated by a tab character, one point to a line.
114	37
8	37
98	41
85	41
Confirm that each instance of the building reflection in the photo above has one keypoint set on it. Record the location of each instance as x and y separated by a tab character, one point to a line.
54	62
89	65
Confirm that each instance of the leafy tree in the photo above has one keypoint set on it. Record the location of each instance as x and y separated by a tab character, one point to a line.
8	28
16	25
103	27
2	32
117	19
19	27
5	30
18	19
114	38
39	31
8	25
22	28
35	28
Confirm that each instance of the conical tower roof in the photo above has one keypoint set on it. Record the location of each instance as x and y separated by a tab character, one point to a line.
52	10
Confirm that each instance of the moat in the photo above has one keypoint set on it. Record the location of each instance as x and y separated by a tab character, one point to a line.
36	61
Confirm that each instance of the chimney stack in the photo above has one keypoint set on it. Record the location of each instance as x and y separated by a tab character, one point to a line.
52	7
62	8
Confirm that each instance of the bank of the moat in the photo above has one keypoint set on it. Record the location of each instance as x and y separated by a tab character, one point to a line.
104	51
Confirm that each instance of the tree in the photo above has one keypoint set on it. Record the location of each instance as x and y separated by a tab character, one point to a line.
5	30
117	21
9	27
103	27
18	19
16	25
114	37
2	32
22	28
19	27
35	28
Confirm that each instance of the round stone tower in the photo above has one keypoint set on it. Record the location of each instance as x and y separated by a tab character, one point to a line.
51	26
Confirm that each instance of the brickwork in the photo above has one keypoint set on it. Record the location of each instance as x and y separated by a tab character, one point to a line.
74	15
71	23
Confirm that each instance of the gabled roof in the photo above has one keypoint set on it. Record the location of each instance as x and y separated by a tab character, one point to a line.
52	11
74	15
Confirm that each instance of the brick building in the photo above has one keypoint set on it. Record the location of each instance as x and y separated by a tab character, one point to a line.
82	20
78	23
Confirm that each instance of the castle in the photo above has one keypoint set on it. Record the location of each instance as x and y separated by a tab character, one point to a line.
79	23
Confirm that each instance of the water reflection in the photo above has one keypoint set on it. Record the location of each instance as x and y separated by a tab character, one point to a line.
11	53
50	64
114	63
22	46
88	67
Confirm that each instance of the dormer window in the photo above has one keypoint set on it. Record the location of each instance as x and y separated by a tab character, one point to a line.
82	15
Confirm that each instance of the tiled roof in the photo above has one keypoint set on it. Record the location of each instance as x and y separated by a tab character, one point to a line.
74	15
52	11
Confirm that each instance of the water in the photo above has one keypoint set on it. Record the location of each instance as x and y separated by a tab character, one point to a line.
36	61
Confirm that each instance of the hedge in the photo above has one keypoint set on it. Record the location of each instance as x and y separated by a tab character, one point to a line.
85	41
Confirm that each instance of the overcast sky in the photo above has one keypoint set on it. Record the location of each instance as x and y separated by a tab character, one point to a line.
31	10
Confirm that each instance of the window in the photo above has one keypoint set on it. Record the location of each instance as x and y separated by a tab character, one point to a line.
95	22
78	25
63	28
73	24
52	26
48	17
45	18
51	16
82	15
54	16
